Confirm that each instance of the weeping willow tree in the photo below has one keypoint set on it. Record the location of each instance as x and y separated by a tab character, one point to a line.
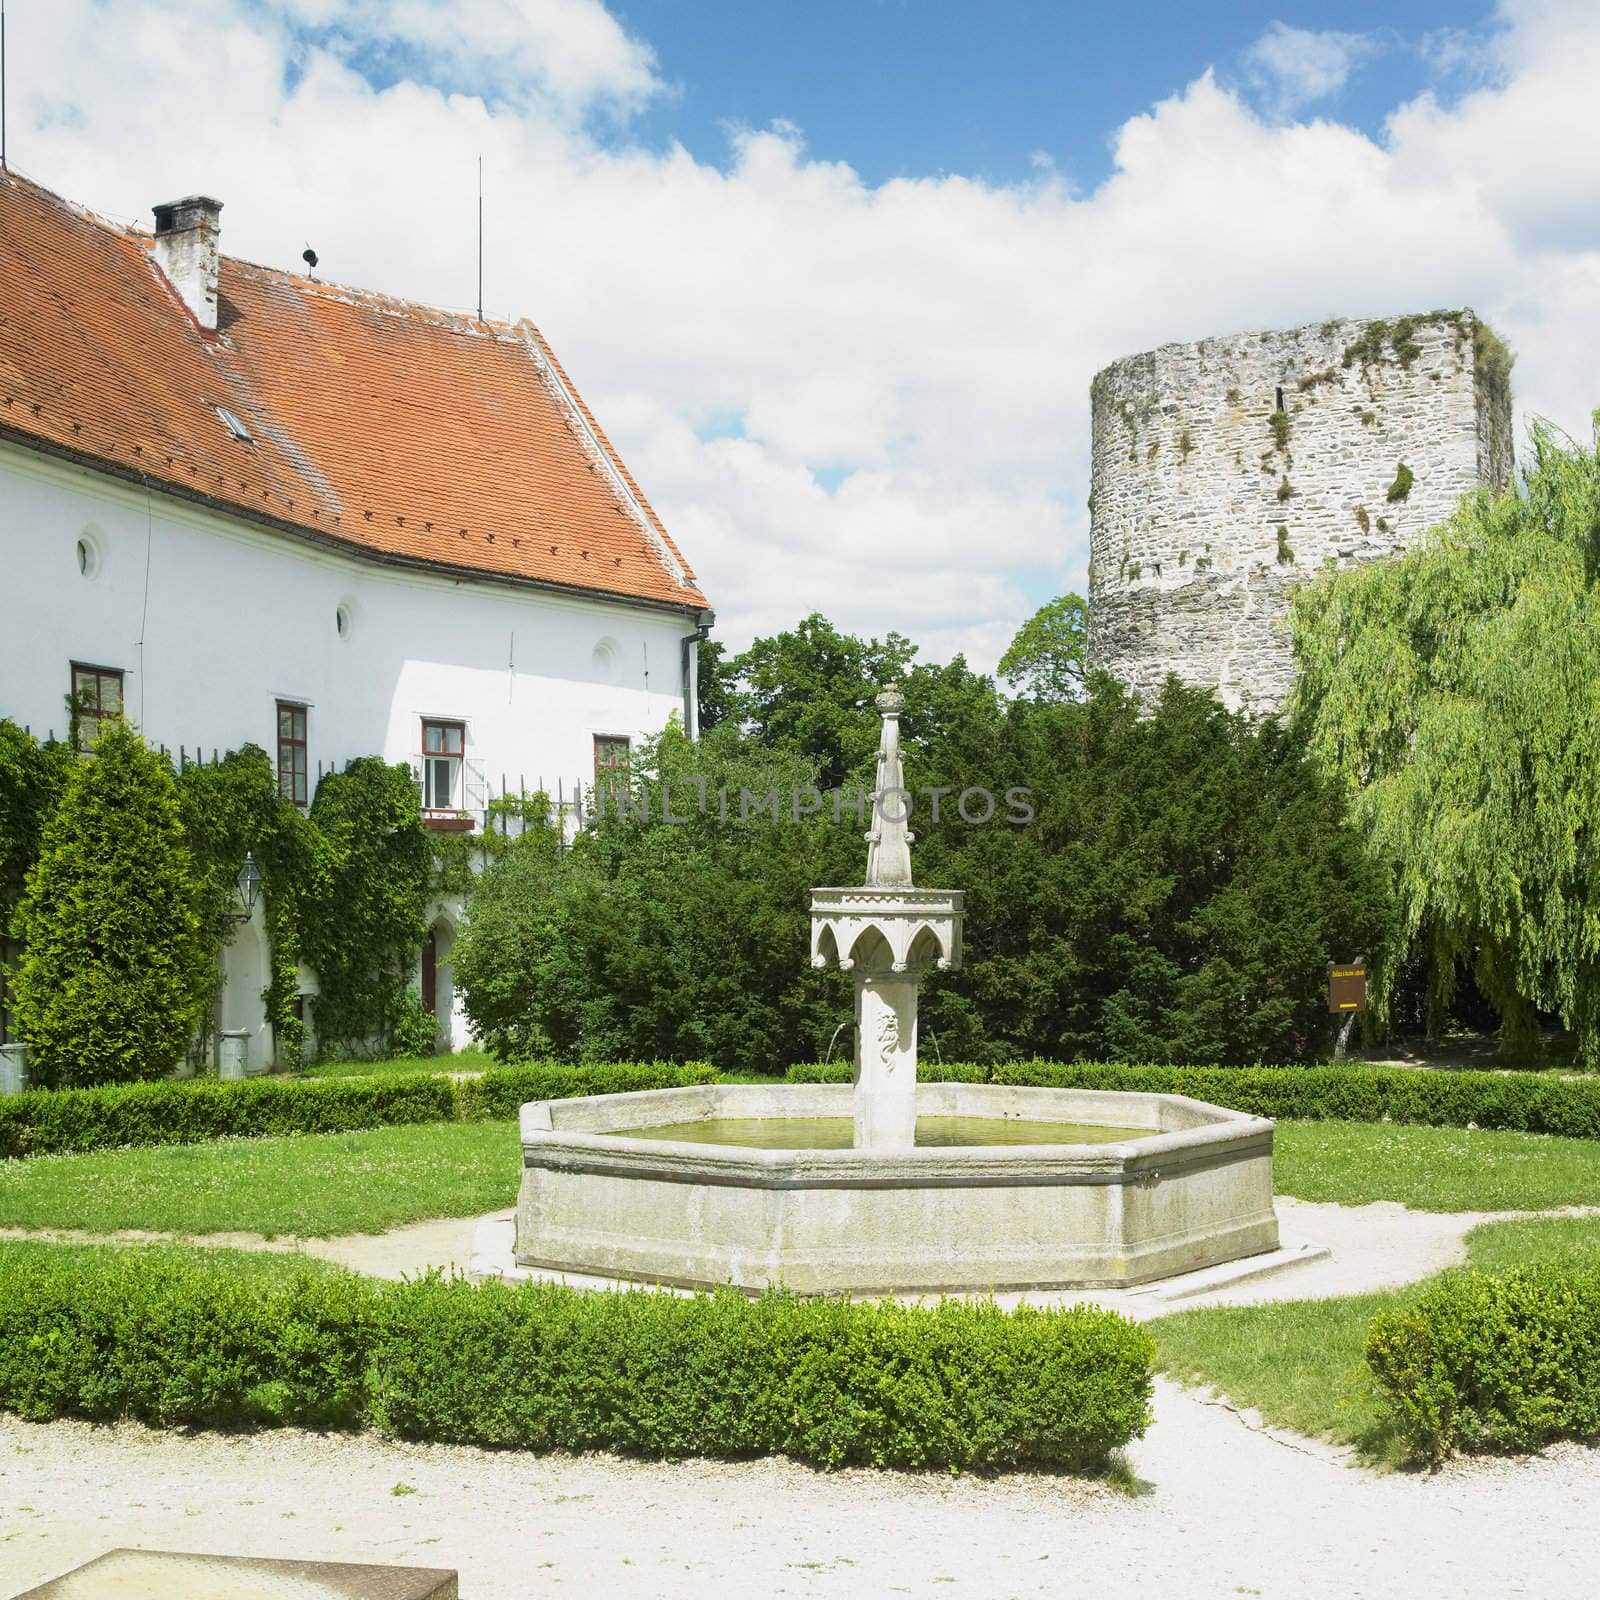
1456	693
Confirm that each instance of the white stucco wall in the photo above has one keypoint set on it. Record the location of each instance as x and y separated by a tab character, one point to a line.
213	621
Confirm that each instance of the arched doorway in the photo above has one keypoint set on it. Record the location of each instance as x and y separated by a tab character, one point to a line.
439	986
246	973
430	974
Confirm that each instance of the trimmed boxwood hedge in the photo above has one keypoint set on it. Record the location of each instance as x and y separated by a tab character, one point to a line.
1483	1362
153	1336
53	1121
1527	1102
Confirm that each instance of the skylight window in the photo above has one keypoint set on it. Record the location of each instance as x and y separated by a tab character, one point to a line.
234	425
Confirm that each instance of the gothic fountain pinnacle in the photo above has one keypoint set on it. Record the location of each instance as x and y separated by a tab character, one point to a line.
886	934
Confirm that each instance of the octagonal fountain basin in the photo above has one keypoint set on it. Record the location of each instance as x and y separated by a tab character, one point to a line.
1006	1188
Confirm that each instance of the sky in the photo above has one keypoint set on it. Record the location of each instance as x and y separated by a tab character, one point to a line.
835	275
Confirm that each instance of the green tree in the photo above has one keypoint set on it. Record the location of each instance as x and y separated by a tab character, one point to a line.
114	972
810	691
1046	657
648	939
32	777
1452	693
1177	894
716	683
33	774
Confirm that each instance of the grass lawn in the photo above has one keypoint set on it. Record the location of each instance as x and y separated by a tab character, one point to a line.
321	1184
1434	1169
461	1061
315	1184
262	1265
1299	1363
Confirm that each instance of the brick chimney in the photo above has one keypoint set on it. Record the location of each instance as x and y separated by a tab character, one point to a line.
186	251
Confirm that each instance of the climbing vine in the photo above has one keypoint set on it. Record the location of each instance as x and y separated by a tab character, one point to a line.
363	911
230	808
33	774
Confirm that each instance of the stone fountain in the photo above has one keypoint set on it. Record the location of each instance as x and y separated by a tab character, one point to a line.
886	1184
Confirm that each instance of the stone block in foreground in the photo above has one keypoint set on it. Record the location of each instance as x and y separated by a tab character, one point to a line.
176	1575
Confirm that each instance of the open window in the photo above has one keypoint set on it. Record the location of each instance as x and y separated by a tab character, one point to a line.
444	747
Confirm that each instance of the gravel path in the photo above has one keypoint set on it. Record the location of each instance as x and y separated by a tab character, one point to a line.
445	1242
1223	1510
1374	1246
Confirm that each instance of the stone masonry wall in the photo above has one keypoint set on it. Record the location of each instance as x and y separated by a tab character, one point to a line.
1227	471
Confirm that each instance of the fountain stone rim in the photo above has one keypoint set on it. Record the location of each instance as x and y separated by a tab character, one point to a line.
925	1219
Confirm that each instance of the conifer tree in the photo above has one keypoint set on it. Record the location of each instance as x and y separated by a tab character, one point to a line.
114	970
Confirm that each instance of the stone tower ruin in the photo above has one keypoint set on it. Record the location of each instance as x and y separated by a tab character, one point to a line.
1229	470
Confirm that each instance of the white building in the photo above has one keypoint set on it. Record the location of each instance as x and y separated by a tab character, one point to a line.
244	505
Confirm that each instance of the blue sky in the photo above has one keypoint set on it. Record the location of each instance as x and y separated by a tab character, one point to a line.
902	88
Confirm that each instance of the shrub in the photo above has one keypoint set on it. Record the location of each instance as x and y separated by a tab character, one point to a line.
413	1028
152	1336
53	1121
824	1381
1483	1362
114	971
541	1367
1526	1102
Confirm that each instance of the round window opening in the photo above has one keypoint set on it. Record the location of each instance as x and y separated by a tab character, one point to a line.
341	621
87	556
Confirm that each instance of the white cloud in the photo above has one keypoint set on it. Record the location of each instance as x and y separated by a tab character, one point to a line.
1299	66
936	335
573	54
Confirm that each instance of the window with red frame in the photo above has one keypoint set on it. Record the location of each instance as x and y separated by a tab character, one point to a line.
443	748
293	768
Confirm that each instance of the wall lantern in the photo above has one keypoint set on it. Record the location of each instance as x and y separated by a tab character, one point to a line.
247	886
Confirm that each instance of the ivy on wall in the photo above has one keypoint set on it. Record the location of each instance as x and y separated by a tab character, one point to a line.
363	910
33	774
230	808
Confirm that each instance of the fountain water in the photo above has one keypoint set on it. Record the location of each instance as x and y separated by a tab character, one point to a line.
886	1184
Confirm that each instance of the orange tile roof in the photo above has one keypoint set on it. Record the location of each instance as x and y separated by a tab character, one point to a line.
415	435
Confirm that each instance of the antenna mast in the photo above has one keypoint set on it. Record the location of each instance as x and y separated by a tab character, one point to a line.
3	166
480	238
